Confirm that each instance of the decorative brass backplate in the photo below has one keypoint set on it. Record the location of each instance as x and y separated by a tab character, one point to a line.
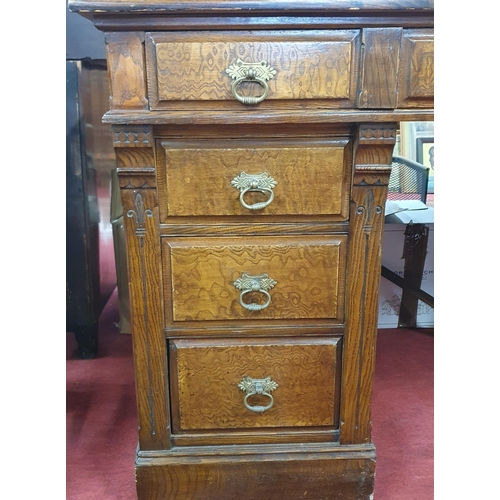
262	183
262	386
259	72
248	284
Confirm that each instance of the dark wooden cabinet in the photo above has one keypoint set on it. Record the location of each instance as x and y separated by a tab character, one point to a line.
83	298
254	143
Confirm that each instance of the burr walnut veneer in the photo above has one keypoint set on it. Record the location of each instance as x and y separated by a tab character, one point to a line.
254	142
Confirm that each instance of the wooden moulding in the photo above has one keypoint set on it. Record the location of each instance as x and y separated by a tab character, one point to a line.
254	6
312	472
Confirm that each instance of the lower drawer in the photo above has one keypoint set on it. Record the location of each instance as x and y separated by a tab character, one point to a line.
254	383
253	279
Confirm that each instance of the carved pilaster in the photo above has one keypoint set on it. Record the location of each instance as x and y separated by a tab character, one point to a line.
369	192
145	288
134	148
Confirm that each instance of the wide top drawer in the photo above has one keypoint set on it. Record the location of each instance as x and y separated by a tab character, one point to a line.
261	178
221	68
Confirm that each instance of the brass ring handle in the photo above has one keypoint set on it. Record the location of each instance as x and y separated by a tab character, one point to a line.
255	307
259	72
262	183
257	408
261	284
249	99
260	205
263	386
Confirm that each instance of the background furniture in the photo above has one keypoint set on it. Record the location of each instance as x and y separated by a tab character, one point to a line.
254	146
408	180
83	299
89	283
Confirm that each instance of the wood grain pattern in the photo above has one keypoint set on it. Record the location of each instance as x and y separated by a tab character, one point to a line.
257	435
380	64
343	67
276	117
375	147
416	74
217	21
208	372
309	65
125	57
318	475
150	359
364	262
236	7
194	178
200	274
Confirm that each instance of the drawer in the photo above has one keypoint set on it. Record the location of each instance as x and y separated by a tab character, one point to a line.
215	384
416	70
216	68
261	177
254	278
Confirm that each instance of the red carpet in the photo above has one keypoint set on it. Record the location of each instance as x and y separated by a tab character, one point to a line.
102	424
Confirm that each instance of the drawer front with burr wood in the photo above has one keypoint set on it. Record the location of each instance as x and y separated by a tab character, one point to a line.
244	384
254	278
258	177
227	69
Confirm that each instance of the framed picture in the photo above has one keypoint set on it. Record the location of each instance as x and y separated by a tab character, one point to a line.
410	133
425	156
425	151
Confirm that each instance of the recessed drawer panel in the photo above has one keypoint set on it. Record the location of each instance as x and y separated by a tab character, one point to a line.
254	178
256	383
416	70
210	67
254	278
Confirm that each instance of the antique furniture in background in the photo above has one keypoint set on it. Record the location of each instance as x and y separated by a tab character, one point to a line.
83	297
88	141
254	143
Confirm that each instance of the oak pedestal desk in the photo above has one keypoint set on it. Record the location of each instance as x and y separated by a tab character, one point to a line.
254	142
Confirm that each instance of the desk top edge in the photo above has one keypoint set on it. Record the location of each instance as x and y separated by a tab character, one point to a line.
251	6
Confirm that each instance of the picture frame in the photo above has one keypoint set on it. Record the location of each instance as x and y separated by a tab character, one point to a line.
425	156
425	151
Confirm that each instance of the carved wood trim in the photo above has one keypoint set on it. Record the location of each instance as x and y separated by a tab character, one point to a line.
134	136
377	133
150	357
364	262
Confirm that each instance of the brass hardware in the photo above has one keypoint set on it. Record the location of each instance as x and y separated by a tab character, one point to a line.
250	72
262	183
262	386
249	284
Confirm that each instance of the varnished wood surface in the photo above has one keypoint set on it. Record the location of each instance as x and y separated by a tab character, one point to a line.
308	64
416	74
260	117
378	88
199	276
205	375
195	178
126	70
369	192
343	68
150	358
195	6
217	21
272	227
257	435
319	475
